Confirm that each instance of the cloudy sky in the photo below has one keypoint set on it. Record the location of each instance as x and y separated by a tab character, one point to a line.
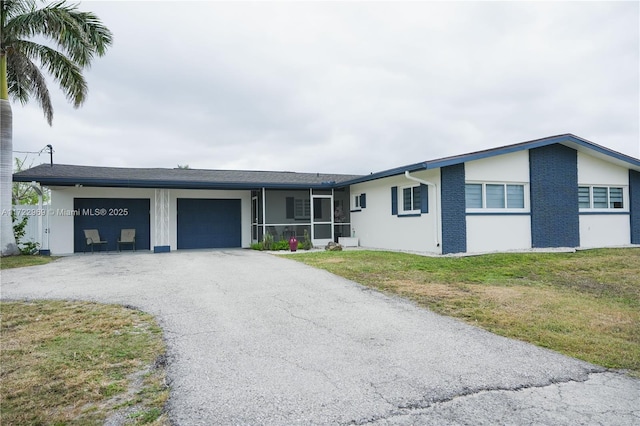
344	87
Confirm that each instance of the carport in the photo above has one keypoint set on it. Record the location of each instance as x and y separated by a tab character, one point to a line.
109	216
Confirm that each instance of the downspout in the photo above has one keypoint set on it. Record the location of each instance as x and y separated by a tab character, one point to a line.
264	212
435	203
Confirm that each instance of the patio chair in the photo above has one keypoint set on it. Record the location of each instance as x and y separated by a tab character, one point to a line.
127	236
92	238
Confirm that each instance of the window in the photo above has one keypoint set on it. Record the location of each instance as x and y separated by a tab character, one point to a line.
411	199
473	195
494	196
600	197
360	201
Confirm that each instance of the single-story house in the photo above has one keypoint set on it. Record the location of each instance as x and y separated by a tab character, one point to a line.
559	191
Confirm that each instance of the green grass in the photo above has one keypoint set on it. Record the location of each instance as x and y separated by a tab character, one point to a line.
584	304
78	363
24	260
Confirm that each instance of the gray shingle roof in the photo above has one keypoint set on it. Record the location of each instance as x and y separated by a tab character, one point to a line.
66	175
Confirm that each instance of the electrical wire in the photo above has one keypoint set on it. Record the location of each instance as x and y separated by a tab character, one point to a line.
35	152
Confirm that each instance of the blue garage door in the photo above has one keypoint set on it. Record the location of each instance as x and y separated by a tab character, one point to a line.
206	223
109	216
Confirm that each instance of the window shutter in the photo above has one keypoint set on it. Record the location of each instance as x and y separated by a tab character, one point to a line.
394	200
424	198
363	201
289	208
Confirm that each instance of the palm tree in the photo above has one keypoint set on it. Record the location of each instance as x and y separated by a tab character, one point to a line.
76	38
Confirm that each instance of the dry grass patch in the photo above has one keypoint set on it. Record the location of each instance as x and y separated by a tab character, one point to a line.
584	304
20	261
79	363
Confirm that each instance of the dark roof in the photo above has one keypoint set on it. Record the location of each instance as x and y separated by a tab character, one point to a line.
70	175
567	139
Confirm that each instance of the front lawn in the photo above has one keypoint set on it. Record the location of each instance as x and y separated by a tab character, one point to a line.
80	363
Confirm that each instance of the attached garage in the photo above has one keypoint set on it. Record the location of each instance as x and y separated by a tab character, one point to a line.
209	223
109	216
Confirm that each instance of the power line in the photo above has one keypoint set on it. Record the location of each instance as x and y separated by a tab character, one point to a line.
35	152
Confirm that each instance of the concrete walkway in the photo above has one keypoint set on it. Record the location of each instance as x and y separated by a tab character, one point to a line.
257	339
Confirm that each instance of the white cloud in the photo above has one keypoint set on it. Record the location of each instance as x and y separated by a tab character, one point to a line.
345	87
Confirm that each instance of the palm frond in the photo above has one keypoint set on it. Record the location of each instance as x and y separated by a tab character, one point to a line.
80	35
17	7
72	40
62	69
26	79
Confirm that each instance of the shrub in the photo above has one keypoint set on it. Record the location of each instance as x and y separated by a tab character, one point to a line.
305	244
267	242
26	247
281	245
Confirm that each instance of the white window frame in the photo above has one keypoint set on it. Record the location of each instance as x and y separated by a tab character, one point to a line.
356	202
505	209
625	198
401	209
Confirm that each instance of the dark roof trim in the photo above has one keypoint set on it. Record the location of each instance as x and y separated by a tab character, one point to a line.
565	139
385	173
115	183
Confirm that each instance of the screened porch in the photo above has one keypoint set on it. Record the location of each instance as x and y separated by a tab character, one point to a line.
322	213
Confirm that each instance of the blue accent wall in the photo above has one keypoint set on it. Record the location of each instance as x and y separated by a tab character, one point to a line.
454	220
634	205
109	216
553	171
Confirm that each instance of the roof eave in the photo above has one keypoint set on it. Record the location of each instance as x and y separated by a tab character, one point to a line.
153	184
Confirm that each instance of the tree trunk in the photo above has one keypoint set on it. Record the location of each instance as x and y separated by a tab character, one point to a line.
8	245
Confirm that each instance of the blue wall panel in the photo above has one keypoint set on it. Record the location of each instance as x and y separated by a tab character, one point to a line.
454	221
209	223
553	173
634	205
108	216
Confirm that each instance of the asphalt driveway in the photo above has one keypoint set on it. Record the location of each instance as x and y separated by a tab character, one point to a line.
257	339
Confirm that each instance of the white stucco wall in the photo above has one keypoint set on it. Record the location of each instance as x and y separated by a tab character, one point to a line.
499	231
593	171
376	227
604	230
513	167
61	225
601	230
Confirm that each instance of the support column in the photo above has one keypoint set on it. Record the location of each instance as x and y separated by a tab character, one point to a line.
161	210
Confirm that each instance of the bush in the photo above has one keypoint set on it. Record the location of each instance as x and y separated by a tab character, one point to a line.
281	245
305	244
26	247
269	244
